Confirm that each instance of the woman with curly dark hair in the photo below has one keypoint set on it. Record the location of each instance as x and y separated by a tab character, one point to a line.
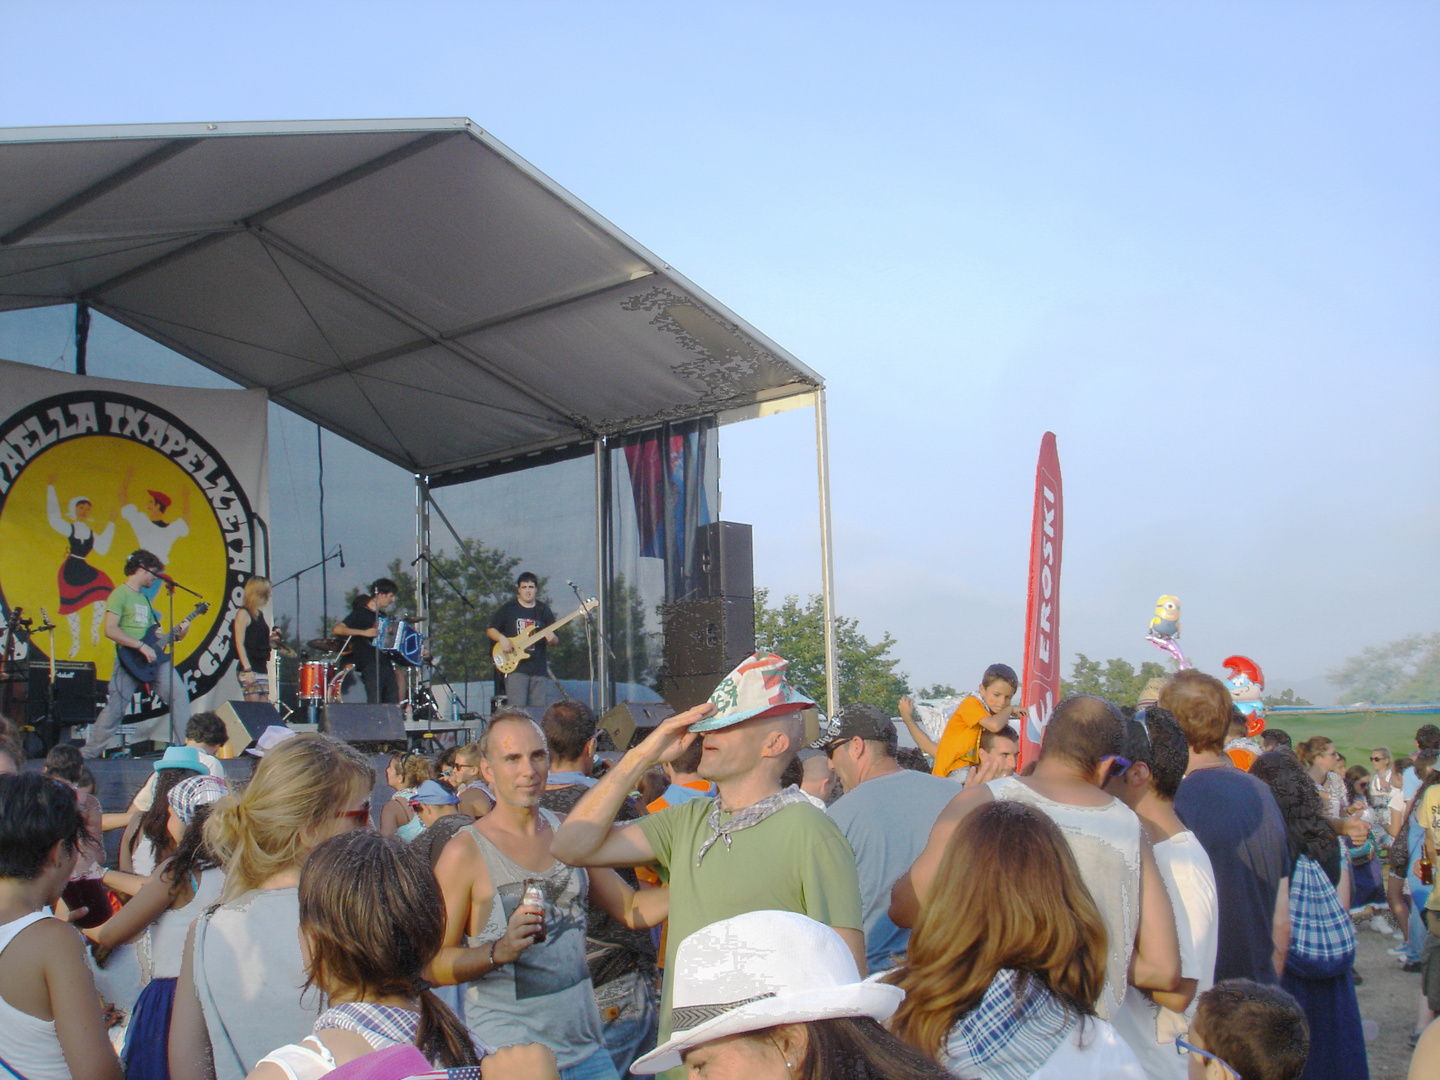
1324	989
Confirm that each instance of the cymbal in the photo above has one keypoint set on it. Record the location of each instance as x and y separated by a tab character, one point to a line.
411	618
324	644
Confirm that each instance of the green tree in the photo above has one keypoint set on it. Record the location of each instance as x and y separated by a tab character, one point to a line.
797	632
1285	697
1404	671
1116	680
937	690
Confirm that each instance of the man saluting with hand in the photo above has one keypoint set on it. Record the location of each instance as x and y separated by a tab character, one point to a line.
751	847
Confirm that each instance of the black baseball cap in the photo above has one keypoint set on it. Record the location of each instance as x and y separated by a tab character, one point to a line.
866	721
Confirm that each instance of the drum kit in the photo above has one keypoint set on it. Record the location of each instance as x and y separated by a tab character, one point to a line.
323	676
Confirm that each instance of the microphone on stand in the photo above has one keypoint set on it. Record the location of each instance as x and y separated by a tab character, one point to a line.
172	583
417	558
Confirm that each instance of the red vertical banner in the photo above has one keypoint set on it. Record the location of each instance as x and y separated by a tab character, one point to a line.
1041	680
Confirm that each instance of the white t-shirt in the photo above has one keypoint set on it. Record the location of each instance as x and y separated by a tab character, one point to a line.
1190	882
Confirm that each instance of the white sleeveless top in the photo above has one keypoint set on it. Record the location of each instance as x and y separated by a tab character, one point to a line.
1105	841
162	949
28	1043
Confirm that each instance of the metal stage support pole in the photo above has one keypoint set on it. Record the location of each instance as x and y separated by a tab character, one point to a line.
82	335
827	555
604	566
422	551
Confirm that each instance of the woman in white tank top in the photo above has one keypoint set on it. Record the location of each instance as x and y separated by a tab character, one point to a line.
50	1024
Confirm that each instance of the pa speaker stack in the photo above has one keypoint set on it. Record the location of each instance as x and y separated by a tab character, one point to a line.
708	635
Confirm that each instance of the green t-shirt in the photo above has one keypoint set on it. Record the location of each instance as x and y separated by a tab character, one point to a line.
134	610
794	860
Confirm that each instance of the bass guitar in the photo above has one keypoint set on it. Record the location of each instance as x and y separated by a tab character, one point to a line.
133	660
520	644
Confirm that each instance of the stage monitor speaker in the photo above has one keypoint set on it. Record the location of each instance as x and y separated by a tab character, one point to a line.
357	723
724	560
74	692
711	635
630	721
246	721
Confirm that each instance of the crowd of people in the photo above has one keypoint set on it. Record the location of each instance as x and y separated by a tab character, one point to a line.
1156	895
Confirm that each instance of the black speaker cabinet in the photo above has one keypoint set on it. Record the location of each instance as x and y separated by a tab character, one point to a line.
357	723
630	721
74	692
246	721
724	560
683	692
711	635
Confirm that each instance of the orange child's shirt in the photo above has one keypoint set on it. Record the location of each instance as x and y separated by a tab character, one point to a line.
960	744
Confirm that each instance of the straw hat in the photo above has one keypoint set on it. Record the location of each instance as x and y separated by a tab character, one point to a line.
742	974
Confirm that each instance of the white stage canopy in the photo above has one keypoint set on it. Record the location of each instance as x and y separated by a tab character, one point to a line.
411	285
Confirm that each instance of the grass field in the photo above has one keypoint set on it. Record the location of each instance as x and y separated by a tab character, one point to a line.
1355	734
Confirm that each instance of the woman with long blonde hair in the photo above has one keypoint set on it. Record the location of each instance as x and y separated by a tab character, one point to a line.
239	991
254	640
1008	958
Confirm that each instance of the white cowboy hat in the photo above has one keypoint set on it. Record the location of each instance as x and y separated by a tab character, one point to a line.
758	970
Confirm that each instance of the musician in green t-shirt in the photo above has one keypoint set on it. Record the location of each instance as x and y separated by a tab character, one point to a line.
128	617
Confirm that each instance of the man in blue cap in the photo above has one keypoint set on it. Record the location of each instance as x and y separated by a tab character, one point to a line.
753	846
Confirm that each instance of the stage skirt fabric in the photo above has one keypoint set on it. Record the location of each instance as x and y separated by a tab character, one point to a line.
148	1037
81	585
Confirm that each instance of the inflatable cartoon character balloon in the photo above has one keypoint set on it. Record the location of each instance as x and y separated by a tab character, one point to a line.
1247	683
1165	629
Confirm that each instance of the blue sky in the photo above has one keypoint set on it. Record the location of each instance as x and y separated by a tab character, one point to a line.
1199	242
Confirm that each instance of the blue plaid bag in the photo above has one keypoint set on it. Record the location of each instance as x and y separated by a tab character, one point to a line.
1322	938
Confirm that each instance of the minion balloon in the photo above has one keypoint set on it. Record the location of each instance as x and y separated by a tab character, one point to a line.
1166	622
1165	629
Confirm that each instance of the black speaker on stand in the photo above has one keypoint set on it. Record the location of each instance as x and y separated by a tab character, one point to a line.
713	630
364	724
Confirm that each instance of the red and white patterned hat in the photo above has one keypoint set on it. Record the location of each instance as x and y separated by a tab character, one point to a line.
758	687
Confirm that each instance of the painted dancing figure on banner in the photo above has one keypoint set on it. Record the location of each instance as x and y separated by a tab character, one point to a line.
81	585
152	531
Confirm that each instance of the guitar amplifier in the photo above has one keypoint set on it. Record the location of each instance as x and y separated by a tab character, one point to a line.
74	692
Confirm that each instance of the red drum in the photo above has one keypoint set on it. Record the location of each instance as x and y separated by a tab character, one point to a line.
315	678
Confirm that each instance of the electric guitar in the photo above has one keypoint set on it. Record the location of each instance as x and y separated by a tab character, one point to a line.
133	660
520	644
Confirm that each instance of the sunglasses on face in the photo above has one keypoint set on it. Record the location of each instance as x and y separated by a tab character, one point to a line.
361	817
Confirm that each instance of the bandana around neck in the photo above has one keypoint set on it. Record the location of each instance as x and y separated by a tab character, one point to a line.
744	819
1014	1030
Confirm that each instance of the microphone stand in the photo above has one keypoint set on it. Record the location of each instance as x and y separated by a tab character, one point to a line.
295	577
591	650
464	600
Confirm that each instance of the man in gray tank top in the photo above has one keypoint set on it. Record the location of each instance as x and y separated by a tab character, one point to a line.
523	963
1079	752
